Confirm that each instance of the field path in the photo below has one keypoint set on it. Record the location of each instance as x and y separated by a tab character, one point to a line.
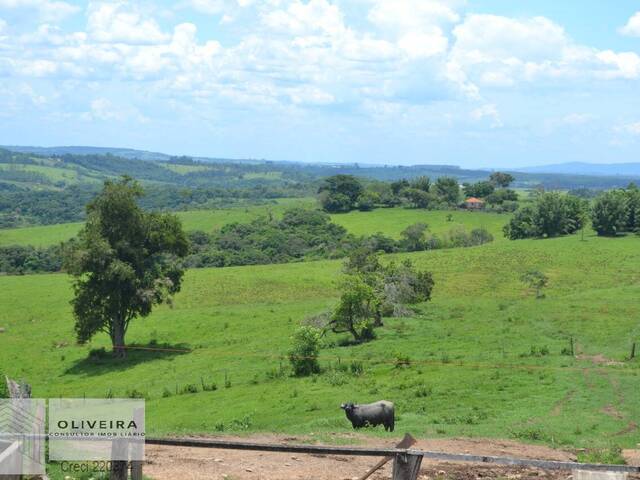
165	462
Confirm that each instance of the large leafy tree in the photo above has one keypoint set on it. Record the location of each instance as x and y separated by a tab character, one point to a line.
124	262
340	193
448	190
478	189
632	194
609	214
552	215
357	310
501	179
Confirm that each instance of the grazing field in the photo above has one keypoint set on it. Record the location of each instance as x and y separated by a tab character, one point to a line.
206	220
39	236
389	221
484	358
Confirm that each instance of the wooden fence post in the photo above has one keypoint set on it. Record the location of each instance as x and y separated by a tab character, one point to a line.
406	466
136	465
633	351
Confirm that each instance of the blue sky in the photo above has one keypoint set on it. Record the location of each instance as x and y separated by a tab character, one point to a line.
485	83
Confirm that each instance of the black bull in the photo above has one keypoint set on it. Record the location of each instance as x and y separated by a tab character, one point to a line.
371	414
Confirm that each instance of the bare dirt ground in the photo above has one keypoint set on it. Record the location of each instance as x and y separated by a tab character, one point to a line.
164	463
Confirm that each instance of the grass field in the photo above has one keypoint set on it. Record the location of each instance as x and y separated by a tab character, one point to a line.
485	356
388	221
206	220
391	221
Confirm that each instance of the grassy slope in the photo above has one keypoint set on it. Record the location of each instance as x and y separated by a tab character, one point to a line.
391	221
466	347
206	220
388	221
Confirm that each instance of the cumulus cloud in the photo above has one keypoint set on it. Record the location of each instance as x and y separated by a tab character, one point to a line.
47	10
306	53
629	128
211	7
118	23
577	119
498	51
412	15
632	28
102	109
487	111
300	18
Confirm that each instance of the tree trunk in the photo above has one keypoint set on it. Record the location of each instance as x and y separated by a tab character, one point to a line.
378	318
117	339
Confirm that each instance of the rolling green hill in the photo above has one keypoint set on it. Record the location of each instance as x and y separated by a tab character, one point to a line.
59	167
387	221
485	357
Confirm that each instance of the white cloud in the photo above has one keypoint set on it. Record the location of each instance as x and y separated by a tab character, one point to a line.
497	51
417	26
629	128
117	23
487	111
210	7
626	64
301	18
305	53
632	28
577	119
102	109
423	44
412	15
47	10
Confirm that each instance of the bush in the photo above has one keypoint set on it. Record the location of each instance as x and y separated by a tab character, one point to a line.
608	456
4	390
402	361
610	214
303	355
552	215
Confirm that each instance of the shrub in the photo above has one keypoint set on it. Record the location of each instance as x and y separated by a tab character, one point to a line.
356	367
135	394
609	456
189	388
402	361
304	351
610	214
4	390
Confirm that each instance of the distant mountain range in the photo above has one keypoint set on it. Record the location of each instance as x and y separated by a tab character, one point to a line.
129	153
582	168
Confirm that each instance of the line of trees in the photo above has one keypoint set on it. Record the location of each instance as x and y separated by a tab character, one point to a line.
552	214
45	207
344	193
299	235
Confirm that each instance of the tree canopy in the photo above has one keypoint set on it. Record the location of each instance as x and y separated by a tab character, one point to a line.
123	262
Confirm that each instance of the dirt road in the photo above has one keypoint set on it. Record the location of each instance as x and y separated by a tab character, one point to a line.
166	463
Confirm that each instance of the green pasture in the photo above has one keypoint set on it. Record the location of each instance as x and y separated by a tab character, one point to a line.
389	221
55	174
206	220
485	357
